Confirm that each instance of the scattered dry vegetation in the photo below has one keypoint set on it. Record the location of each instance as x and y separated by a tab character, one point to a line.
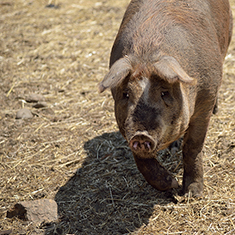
71	150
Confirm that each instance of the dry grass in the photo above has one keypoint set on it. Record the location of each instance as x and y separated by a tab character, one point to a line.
71	150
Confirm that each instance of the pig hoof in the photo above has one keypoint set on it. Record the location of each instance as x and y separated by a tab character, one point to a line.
194	190
165	184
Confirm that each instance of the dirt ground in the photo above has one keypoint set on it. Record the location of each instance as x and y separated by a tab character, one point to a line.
71	150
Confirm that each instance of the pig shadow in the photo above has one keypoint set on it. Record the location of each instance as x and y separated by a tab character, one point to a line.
107	195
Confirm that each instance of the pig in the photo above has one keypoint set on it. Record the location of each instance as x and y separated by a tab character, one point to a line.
165	70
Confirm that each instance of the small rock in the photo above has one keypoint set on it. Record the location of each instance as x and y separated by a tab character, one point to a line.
34	98
40	105
24	114
38	211
53	6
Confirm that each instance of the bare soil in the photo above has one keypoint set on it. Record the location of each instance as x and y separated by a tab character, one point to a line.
71	150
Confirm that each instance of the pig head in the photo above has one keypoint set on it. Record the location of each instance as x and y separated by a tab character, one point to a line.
164	77
151	102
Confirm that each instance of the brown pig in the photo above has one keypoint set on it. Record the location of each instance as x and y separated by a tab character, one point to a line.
165	70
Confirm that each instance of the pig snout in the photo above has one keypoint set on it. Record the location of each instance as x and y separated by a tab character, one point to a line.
142	142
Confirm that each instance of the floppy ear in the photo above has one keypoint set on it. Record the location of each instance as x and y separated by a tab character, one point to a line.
118	71
169	68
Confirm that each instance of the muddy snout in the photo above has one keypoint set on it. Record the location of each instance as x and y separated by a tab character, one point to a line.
142	142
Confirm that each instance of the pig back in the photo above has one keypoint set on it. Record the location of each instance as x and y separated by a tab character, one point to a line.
193	32
221	16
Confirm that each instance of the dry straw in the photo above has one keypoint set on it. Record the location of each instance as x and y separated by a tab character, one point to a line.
71	150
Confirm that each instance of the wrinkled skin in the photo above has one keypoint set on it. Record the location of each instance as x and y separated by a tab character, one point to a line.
165	71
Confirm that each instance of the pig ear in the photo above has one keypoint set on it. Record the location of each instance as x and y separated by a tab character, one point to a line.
169	68
118	71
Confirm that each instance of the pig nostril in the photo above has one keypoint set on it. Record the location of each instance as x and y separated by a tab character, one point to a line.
147	145
135	145
144	146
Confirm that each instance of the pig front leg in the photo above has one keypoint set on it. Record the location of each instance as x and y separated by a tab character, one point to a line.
192	156
155	174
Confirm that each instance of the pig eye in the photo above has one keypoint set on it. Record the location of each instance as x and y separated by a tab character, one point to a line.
126	95
166	97
164	94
